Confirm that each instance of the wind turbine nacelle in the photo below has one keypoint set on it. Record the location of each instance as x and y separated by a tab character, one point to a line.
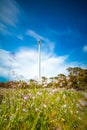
39	42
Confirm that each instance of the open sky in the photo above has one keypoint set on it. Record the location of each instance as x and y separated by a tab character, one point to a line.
61	25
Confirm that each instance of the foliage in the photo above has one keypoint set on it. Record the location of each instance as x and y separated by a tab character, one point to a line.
78	78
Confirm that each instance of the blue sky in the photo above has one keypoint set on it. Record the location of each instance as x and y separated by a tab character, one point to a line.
61	25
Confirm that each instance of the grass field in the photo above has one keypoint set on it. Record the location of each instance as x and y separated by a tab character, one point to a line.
43	109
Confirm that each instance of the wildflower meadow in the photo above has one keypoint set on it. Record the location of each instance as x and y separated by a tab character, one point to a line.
43	109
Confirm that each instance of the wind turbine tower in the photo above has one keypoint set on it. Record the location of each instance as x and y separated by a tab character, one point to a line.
39	60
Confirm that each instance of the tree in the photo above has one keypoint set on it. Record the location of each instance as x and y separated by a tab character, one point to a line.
33	83
44	81
77	77
62	80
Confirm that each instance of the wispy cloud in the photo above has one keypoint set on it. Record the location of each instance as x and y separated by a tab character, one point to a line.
9	12
35	35
20	37
66	32
9	15
49	44
25	64
4	29
85	48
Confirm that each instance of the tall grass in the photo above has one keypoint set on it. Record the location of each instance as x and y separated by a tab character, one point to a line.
43	109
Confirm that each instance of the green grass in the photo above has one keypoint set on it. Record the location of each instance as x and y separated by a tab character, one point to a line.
43	109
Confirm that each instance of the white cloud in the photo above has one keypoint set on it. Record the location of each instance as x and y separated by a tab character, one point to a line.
25	64
85	48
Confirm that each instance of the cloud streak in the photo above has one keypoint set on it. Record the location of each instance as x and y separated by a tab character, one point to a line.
9	12
9	16
4	30
35	35
20	37
85	48
46	42
67	32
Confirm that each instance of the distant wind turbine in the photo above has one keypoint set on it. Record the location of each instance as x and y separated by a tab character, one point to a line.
39	60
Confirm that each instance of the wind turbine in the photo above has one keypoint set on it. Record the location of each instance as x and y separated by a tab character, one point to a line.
39	60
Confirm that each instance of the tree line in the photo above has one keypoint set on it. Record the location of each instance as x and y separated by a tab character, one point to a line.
76	79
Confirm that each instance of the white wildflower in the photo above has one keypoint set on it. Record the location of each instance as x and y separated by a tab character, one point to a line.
64	106
36	109
79	118
57	99
24	110
77	112
50	93
39	93
44	106
5	119
4	102
17	109
71	112
78	106
64	96
12	117
73	100
33	97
